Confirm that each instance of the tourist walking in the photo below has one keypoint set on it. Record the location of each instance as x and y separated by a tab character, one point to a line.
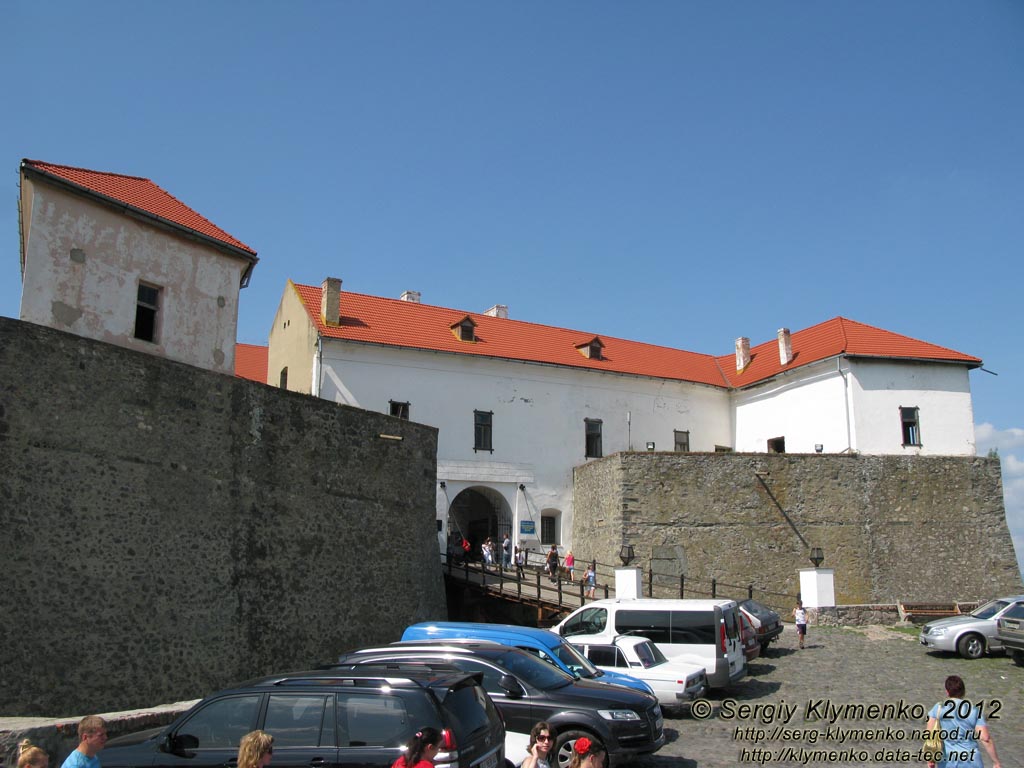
963	726
542	739
520	562
506	552
570	561
553	562
421	749
587	754
255	750
92	737
590	579
486	549
31	756
800	617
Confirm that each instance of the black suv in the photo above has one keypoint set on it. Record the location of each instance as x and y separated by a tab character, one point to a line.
343	717
527	690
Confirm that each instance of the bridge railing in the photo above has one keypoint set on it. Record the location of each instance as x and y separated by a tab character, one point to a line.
533	583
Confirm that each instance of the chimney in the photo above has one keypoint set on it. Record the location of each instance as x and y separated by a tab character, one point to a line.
742	353
413	297
498	310
330	300
785	347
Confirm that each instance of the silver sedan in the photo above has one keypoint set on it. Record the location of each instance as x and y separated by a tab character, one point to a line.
970	635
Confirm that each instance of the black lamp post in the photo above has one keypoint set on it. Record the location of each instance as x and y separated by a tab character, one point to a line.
817	556
626	554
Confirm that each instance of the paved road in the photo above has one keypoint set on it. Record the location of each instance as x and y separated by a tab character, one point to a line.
842	666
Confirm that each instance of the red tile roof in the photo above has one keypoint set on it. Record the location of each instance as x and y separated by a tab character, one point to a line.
251	362
391	322
398	323
834	337
140	194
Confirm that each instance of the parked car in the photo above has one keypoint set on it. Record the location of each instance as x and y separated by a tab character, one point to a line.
767	623
548	645
359	716
751	645
675	681
708	629
1010	632
970	635
527	690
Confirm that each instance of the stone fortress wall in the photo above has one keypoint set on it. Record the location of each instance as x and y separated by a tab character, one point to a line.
168	531
893	528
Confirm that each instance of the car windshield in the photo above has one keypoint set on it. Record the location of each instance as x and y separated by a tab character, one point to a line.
990	609
649	655
537	673
577	662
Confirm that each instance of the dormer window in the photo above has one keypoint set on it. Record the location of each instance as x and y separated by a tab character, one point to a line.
465	329
592	350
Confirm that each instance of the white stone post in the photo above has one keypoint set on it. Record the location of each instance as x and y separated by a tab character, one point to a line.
818	587
628	583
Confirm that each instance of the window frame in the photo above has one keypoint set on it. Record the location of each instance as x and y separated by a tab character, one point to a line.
590	435
402	408
483	433
910	429
685	442
148	309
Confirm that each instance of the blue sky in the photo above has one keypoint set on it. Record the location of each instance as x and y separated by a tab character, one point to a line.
679	173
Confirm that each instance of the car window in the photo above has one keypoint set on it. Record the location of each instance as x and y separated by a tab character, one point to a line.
469	710
990	609
732	627
1016	612
654	625
223	722
576	661
531	669
297	720
649	654
372	721
694	627
589	621
759	611
602	655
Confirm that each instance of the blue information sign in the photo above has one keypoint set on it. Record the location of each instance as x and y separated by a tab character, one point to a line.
527	528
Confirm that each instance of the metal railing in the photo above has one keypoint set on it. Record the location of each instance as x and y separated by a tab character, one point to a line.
531	582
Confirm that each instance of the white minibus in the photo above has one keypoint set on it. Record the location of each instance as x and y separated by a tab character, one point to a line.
703	631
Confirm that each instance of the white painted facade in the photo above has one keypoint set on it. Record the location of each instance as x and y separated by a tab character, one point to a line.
538	431
853	404
84	261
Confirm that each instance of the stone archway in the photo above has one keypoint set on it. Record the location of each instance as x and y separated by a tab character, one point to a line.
477	513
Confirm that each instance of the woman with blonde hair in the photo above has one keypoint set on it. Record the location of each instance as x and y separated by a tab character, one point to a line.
587	754
255	750
31	756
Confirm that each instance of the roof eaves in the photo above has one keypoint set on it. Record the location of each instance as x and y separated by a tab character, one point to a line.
233	250
971	363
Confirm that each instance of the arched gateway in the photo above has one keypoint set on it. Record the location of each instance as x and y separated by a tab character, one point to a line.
477	513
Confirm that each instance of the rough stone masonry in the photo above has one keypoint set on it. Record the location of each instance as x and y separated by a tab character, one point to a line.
893	527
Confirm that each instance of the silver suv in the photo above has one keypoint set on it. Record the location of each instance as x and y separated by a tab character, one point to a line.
969	635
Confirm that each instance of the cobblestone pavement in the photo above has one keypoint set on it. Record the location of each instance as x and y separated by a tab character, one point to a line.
841	666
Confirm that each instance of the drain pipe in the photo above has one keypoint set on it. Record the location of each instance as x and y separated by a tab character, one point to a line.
846	401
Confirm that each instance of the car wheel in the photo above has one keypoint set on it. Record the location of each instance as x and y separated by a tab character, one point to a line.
764	648
971	646
1018	658
563	747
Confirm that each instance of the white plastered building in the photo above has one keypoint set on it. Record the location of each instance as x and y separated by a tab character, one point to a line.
518	405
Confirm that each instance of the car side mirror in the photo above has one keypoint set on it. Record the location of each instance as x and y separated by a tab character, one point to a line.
511	686
179	744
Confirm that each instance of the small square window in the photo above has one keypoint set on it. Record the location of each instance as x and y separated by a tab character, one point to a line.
592	431
399	409
777	445
147	308
682	441
482	424
910	422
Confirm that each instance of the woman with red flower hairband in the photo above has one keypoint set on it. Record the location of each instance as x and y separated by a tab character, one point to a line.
587	754
420	750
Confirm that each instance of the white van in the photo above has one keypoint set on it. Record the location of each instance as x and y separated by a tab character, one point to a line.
703	631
